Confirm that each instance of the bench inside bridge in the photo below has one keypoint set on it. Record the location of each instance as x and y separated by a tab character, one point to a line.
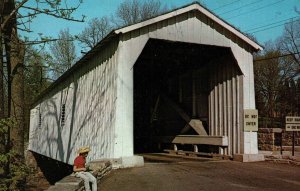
201	137
220	141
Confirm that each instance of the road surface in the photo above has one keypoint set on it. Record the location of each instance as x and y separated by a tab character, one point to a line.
174	174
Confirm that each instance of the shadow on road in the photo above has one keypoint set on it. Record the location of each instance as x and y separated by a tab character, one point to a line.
169	158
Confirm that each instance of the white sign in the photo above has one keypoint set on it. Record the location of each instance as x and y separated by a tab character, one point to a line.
250	120
292	123
292	119
292	127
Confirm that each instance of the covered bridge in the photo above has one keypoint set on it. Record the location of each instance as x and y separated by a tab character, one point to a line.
183	77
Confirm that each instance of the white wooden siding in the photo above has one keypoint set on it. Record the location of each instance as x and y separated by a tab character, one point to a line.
90	99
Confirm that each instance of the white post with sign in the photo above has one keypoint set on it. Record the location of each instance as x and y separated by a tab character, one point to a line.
250	131
292	123
250	146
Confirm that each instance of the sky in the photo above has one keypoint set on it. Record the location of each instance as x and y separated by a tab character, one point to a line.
263	18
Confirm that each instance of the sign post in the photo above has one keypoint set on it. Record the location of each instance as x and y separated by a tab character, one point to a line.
292	123
293	153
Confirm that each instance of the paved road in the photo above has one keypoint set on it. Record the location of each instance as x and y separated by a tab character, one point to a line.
204	174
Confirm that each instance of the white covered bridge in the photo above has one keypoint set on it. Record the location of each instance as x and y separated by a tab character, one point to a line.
182	77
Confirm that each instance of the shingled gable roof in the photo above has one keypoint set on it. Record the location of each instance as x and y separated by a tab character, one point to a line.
190	7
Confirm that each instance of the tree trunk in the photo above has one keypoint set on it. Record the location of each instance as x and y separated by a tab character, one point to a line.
2	103
17	54
1	79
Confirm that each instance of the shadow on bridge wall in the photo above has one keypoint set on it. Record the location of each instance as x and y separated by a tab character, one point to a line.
89	99
52	170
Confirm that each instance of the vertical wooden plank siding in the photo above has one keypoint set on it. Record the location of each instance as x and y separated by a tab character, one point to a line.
239	112
220	97
89	96
216	111
224	106
224	103
211	105
241	116
234	111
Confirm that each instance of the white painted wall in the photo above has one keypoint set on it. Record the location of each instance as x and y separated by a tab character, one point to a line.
90	96
130	48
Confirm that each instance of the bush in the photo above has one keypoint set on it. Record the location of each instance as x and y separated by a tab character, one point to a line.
13	170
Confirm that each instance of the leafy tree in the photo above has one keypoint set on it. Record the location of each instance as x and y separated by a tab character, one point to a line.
10	160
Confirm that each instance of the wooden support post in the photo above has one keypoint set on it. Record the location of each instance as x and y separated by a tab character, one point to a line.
221	150
180	89
281	142
175	147
195	123
154	113
194	94
195	148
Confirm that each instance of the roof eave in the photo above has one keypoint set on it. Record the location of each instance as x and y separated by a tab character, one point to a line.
77	65
194	6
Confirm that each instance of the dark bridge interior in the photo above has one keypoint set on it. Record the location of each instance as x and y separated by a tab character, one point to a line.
170	75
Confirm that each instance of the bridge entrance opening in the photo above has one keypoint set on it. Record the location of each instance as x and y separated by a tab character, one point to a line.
172	83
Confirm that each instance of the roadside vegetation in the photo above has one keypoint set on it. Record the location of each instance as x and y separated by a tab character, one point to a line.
277	77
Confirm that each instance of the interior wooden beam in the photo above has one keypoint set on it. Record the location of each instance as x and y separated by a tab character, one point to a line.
196	124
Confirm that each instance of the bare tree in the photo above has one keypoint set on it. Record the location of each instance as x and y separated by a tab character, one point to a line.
12	52
271	72
150	8
298	96
289	43
12	21
288	98
97	29
63	52
133	11
128	12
